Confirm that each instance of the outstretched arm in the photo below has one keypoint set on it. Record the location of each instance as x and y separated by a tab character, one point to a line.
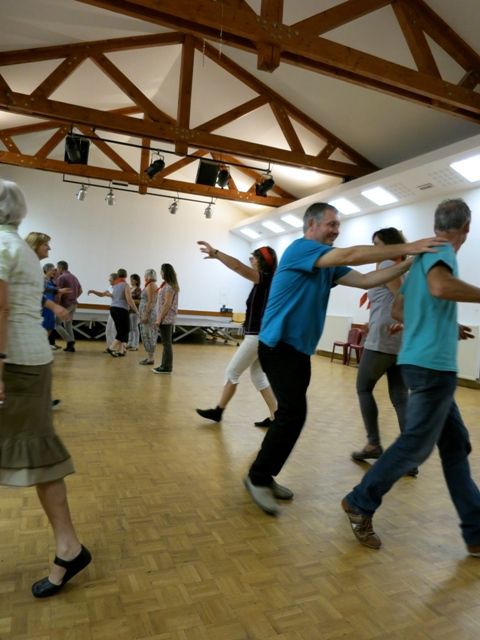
230	262
374	278
366	254
100	294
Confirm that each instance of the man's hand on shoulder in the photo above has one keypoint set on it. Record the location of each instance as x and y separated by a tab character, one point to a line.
425	245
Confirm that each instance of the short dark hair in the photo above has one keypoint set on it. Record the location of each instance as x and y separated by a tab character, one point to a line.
63	264
452	214
122	273
316	210
389	235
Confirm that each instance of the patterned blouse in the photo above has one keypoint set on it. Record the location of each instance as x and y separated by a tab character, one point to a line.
172	312
27	342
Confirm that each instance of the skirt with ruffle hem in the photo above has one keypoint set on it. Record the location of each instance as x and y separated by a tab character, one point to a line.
30	450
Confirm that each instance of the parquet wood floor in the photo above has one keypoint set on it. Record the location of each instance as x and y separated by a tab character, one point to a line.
181	552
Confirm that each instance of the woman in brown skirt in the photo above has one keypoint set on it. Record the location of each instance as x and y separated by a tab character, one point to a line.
31	453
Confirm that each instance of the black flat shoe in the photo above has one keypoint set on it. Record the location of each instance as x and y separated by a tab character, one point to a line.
44	588
264	423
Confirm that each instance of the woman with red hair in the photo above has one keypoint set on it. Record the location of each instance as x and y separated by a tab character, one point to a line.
263	263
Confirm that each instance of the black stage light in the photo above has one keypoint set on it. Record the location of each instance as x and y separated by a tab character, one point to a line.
156	166
207	173
76	150
262	188
223	177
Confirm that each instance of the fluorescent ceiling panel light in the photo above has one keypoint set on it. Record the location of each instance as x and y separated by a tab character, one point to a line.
292	220
468	168
345	206
379	196
250	233
273	226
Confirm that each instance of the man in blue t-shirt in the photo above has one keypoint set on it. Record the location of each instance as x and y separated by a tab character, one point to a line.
292	326
428	358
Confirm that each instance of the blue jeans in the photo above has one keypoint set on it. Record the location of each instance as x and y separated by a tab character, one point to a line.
432	419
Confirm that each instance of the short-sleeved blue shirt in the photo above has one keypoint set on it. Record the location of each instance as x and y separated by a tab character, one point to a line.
298	299
430	332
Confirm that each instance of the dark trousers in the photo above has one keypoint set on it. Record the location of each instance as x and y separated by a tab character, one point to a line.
374	365
122	323
166	334
288	372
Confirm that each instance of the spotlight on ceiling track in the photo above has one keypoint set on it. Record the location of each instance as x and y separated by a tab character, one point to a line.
173	207
208	211
223	177
81	193
262	188
110	198
155	167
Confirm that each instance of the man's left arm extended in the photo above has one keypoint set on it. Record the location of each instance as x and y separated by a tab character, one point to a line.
374	278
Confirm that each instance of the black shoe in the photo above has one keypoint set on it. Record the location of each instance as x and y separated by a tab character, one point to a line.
367	454
211	414
70	347
55	403
44	588
161	370
413	473
264	423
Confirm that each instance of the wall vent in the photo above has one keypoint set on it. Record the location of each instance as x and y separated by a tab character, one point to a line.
424	187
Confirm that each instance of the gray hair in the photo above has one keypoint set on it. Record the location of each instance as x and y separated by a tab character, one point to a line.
48	266
13	207
316	210
151	274
452	214
113	276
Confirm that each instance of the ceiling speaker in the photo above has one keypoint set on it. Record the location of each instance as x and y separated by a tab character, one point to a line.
207	173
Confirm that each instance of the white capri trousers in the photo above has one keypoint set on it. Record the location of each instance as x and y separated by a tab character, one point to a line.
247	356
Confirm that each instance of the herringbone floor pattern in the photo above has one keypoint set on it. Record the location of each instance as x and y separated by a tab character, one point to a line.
181	553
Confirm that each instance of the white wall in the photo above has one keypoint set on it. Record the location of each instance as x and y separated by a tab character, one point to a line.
416	221
137	233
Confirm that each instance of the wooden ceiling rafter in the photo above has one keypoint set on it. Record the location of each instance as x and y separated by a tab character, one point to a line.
85	120
236	26
272	96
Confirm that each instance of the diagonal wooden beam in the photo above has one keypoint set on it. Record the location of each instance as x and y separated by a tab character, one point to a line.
232	114
9	143
85	49
58	76
409	22
52	143
105	148
133	92
446	37
272	96
338	16
185	90
286	126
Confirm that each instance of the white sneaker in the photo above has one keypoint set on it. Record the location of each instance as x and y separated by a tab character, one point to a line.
262	496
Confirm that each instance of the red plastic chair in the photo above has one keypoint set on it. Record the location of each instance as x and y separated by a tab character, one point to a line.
357	347
352	338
